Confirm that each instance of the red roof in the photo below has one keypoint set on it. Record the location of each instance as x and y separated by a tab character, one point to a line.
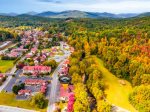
35	82
43	89
66	62
38	68
65	92
2	76
21	92
70	102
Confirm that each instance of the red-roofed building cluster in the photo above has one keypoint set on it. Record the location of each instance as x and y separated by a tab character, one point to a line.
35	82
36	69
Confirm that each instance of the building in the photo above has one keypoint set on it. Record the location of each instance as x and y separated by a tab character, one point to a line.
35	82
2	76
24	92
65	91
36	69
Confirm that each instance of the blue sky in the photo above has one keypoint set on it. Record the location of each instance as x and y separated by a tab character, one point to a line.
112	6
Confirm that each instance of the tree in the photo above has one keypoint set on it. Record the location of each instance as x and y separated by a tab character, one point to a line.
145	79
81	103
140	98
103	106
16	88
39	100
51	63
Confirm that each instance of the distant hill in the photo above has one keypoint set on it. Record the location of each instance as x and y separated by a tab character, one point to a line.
31	13
144	14
127	15
47	14
82	14
8	14
78	14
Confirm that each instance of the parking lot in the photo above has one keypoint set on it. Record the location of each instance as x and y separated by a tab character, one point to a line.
19	78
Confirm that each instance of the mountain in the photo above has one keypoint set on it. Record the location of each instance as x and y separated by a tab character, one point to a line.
8	14
127	15
82	14
144	14
78	14
47	14
75	14
32	13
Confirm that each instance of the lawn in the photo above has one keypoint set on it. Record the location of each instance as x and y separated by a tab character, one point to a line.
9	100
116	93
5	65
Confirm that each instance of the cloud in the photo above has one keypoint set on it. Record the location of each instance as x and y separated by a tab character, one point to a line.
113	6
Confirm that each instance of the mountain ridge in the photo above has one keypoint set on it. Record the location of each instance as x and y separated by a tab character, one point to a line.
79	14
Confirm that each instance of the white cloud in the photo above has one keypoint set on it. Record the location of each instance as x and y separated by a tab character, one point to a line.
113	6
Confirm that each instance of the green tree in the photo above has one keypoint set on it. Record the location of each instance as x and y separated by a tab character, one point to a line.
39	100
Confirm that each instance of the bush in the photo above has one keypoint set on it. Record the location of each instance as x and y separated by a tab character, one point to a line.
7	58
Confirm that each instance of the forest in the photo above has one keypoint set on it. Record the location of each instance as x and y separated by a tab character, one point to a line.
122	44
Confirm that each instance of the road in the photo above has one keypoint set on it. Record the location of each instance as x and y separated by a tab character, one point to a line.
11	83
9	78
55	83
2	51
13	109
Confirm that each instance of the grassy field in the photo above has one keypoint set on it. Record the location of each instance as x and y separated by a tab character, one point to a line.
9	100
5	65
116	93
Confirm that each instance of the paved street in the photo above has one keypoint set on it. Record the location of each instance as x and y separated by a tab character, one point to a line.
8	87
13	109
2	51
55	83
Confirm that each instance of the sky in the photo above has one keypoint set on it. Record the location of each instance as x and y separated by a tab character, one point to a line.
111	6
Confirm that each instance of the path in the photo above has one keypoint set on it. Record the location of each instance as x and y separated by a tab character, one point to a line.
13	109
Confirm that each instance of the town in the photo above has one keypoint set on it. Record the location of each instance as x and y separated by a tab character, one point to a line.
38	68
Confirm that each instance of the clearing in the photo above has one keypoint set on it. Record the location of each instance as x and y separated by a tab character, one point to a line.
116	93
9	99
5	65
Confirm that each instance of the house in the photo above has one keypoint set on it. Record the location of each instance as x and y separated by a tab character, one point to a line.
38	69
64	71
35	82
71	49
65	91
13	54
70	102
19	50
43	89
66	63
24	92
2	76
29	55
34	50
